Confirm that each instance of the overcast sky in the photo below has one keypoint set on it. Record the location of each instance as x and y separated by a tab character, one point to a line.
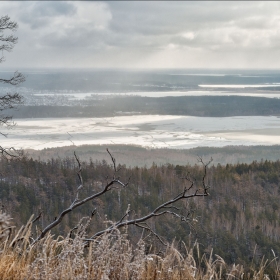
169	34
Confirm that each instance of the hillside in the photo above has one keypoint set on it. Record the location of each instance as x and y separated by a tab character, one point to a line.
239	220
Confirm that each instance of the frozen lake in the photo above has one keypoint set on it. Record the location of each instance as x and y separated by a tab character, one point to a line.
157	131
83	95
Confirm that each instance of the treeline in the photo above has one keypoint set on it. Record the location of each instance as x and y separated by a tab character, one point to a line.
240	219
140	156
204	106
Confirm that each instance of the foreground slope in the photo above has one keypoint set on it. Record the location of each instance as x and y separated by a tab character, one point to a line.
240	219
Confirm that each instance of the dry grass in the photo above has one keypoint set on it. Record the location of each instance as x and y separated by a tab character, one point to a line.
109	257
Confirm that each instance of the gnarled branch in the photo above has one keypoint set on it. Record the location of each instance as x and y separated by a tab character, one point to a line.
76	202
161	209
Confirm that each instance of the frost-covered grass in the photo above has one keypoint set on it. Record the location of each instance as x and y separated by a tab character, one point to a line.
109	257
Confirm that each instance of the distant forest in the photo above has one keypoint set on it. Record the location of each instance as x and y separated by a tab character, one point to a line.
140	156
204	106
240	219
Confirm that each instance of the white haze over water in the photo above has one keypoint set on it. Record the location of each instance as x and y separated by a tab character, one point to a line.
241	86
83	95
151	131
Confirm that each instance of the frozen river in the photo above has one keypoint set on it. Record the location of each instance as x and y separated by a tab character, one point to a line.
157	131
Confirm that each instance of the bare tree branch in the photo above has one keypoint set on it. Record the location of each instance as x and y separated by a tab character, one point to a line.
76	203
166	208
11	152
198	192
8	41
79	173
5	101
9	100
37	218
125	215
114	162
71	231
6	23
148	228
17	79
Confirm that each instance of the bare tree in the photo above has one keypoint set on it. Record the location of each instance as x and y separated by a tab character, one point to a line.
8	100
194	189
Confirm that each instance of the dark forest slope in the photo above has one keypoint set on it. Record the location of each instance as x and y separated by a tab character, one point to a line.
241	212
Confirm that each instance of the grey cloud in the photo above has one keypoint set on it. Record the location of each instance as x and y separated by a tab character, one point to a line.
155	21
137	30
139	22
169	17
59	26
49	9
78	38
255	22
41	13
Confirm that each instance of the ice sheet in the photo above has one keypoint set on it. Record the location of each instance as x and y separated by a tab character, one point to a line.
158	131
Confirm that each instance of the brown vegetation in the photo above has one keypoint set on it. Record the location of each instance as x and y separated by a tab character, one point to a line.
111	256
243	203
240	221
